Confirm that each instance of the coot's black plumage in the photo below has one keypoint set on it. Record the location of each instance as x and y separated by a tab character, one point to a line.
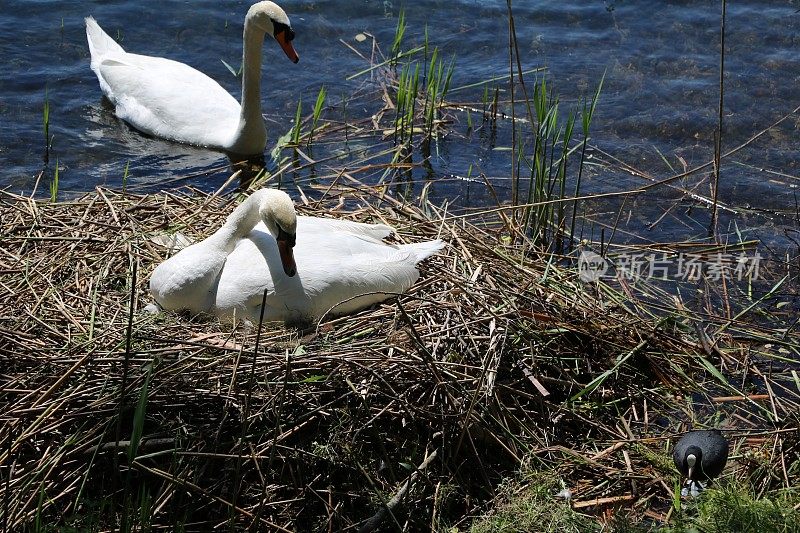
701	455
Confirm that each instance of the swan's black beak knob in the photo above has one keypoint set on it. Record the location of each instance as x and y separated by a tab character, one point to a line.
286	242
284	36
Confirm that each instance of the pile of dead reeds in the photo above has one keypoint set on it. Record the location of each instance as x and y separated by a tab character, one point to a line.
405	415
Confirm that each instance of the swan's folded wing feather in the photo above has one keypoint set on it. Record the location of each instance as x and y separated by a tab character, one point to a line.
362	280
374	232
343	270
150	92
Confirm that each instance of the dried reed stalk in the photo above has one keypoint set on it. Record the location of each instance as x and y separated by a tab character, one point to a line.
498	356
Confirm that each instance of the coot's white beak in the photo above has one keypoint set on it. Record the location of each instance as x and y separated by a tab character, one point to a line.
691	460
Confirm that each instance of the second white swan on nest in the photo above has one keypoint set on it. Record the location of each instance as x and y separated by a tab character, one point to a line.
335	265
172	100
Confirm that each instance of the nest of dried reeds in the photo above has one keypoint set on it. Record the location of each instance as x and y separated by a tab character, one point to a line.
406	415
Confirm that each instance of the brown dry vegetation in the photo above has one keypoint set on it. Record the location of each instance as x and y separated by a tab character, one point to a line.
498	358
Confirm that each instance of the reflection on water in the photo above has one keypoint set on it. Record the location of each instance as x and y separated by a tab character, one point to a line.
657	112
165	159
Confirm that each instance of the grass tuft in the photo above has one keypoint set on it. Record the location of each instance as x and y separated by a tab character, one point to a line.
48	141
319	104
54	185
125	176
734	507
531	504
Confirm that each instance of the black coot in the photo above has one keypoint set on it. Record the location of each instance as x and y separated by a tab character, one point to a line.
700	455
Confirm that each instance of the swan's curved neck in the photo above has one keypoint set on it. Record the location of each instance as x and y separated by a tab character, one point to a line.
251	123
239	223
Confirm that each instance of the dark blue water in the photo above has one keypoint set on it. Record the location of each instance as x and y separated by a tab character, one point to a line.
657	112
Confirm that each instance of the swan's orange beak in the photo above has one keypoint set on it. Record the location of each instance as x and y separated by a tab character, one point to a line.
287	256
284	38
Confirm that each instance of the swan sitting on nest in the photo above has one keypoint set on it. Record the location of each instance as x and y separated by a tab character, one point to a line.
168	99
308	265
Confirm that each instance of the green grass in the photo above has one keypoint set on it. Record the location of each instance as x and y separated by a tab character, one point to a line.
54	185
406	99
296	130
586	120
544	153
547	163
422	87
530	504
544	150
318	106
735	507
46	126
125	176
399	32
438	84
139	417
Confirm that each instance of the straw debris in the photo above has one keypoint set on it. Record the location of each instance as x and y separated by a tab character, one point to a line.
408	415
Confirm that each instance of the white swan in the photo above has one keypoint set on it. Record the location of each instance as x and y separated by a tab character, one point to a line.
172	100
334	263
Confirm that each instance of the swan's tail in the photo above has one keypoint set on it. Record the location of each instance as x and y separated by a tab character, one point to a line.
423	250
100	43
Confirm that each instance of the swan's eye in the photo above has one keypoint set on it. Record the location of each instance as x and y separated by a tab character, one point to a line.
280	27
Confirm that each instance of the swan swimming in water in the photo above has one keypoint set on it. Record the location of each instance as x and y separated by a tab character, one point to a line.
308	265
168	99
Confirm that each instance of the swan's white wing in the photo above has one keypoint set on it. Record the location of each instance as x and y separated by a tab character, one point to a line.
351	271
151	93
308	225
360	280
340	264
